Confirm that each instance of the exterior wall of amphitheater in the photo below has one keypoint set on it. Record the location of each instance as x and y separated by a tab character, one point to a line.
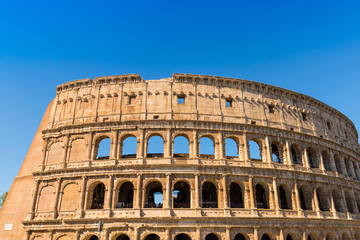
317	163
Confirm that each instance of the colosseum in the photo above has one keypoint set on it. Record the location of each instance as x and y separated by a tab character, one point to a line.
256	162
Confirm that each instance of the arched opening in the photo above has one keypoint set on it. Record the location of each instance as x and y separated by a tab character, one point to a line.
236	196
330	236
181	147
261	197
326	160
289	237
154	195
337	201
357	200
284	197
152	237
211	236
345	236
338	164
295	155
348	167
209	195
240	236
231	148
129	147
98	197
123	237
182	236
275	153
349	202
357	236
126	196
265	237
323	199
155	147
313	162
312	236
255	151
305	198
181	195
93	237
207	149
102	148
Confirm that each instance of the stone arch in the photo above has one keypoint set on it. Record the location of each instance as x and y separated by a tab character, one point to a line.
236	196
345	236
207	146
323	199
241	236
102	147
357	236
46	199
70	197
338	164
125	195
326	160
55	152
313	236
212	236
348	166
268	236
277	151
330	236
64	237
209	195
255	149
349	202
292	236
312	157
122	236
153	194
337	200
182	236
262	195
285	197
181	195
155	146
305	197
296	154
96	195
152	236
181	146
78	150
231	147
128	146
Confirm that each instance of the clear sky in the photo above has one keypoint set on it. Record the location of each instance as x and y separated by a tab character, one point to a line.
312	47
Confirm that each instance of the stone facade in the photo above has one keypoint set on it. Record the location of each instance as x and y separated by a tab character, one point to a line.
304	185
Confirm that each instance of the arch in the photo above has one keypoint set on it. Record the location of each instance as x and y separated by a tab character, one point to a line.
330	236
182	236
209	195
211	236
64	237
241	236
70	197
94	237
338	164
122	237
207	147
305	198
262	196
154	195
312	236
276	152
255	150
181	147
323	199
349	202
46	199
345	236
102	148
357	200
152	236
285	197
312	157
231	148
296	154
129	147
348	167
98	196
357	236
54	153
337	201
266	236
77	150
125	196
236	196
181	195
155	147
326	160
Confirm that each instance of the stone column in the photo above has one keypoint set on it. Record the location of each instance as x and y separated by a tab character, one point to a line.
82	196
316	200
227	233
138	191
168	145
196	153
198	233
136	233
256	234
289	160
297	206
220	147
114	146
64	154
167	234
57	195
305	158
281	234
321	164
225	192
268	151
141	145
245	151
332	207
110	191
276	196
197	191
35	198
167	199
44	154
89	154
251	188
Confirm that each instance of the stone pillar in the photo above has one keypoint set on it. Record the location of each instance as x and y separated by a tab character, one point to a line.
356	210
196	153
289	160
316	200
306	158
64	154
245	151
251	188
90	148
197	191
220	147
110	192
44	154
321	164
268	151
141	145
167	199
225	192
35	198
82	196
138	191
297	206
281	234
332	206
167	234
168	145
198	233
276	196
114	146
256	234
57	195
136	233
227	233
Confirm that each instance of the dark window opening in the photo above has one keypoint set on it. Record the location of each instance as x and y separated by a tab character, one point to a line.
182	236
156	117
154	195
211	236
253	122
152	237
239	236
322	200
265	237
288	237
131	99
295	156
123	237
94	238
312	160
98	197
236	196
271	108
209	195
126	196
328	125
326	160
304	116
181	99
181	195
229	102
261	198
283	198
305	200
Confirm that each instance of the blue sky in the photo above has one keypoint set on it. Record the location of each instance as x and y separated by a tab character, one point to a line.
310	47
